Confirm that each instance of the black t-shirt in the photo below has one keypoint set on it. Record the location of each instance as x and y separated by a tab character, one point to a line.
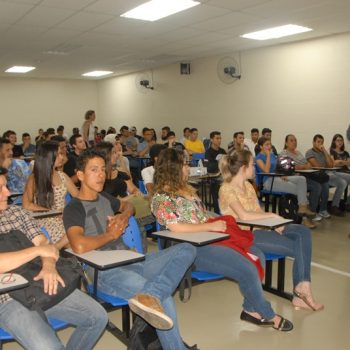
213	156
339	156
70	167
117	187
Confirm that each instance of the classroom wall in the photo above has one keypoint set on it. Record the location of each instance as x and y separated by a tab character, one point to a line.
301	88
29	104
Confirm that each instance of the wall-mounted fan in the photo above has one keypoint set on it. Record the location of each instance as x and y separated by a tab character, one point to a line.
144	82
228	70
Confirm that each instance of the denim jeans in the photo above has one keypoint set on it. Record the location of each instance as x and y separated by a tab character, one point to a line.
233	265
33	333
295	242
295	185
340	181
158	275
318	194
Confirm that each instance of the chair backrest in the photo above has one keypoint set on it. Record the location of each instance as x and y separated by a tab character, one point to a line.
67	198
258	177
132	236
142	187
46	233
206	143
196	157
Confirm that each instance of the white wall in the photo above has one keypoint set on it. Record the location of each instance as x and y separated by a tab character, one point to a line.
301	88
30	104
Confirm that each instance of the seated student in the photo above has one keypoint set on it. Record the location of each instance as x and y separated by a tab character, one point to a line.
148	172
318	188
238	143
253	141
267	133
164	133
193	144
172	143
27	326
12	137
214	152
338	153
176	206
46	190
133	132
40	135
78	145
96	220
238	198
318	156
186	135
148	141
266	162
27	147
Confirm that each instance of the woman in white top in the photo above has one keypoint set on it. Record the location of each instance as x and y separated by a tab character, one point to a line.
88	130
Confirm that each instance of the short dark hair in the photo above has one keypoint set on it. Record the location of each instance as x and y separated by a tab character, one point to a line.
254	130
73	139
86	155
170	133
214	133
167	128
25	134
124	127
186	129
265	130
193	130
238	133
3	171
317	136
3	141
60	128
8	133
155	150
58	138
89	113
144	130
50	130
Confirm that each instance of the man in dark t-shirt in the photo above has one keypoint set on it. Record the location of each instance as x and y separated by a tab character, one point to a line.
214	152
96	220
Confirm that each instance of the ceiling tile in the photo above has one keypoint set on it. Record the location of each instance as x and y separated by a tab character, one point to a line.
67	4
12	12
114	7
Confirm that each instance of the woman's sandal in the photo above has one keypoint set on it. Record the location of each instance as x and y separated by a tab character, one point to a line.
259	322
284	325
305	299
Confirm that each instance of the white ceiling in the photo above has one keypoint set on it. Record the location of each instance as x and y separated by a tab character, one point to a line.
65	38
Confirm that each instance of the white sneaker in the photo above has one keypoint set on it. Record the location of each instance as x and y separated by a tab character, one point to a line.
324	214
318	217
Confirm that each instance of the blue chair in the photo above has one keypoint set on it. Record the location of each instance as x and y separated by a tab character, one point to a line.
142	187
196	157
132	238
201	276
54	323
269	257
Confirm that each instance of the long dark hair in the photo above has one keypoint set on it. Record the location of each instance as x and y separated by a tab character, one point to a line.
333	142
106	149
45	158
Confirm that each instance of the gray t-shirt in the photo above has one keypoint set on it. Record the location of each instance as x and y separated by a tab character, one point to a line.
319	156
298	158
92	217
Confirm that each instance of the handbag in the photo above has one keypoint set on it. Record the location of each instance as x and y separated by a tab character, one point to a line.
285	165
33	296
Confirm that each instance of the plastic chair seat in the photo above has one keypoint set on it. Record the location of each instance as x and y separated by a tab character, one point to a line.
206	276
270	256
110	299
54	323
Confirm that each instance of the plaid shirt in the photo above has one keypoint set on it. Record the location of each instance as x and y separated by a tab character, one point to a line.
16	218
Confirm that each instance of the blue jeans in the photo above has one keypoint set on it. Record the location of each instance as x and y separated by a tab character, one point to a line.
233	265
158	275
33	333
340	181
295	242
318	194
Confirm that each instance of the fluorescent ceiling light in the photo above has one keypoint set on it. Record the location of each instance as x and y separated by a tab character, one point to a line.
19	69
276	32
97	73
157	9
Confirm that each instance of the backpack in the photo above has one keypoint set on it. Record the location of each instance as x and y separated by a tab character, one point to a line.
33	296
285	165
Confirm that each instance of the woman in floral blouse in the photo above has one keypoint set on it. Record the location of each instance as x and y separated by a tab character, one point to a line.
176	205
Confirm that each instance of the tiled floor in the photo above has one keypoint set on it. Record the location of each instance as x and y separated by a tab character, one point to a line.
211	317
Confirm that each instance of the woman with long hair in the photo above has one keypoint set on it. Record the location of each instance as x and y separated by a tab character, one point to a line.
266	162
238	198
317	185
46	189
176	205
